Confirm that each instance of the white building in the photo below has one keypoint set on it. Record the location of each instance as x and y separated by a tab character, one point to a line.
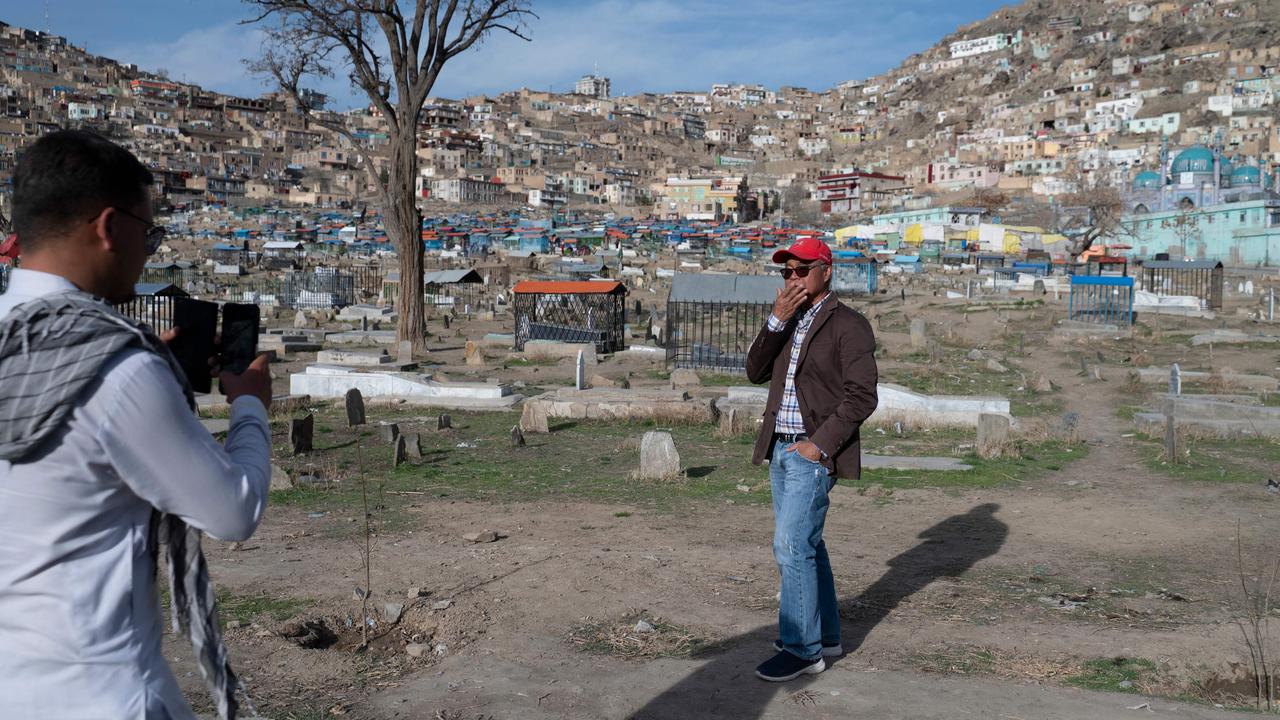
466	191
594	86
983	45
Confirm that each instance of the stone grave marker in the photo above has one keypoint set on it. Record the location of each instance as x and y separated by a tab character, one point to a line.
300	320
400	454
1175	380
919	340
446	321
444	422
474	355
517	437
389	432
302	434
534	418
355	407
993	435
404	352
658	457
413	445
580	372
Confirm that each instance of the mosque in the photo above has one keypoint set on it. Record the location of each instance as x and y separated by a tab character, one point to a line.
1205	206
1198	177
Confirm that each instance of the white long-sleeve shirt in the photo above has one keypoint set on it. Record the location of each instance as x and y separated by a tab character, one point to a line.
80	621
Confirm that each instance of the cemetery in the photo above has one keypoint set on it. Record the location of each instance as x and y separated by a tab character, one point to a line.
1059	453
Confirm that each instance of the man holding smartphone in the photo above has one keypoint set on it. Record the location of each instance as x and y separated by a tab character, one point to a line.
105	472
818	356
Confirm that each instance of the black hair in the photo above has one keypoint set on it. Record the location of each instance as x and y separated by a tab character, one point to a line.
67	176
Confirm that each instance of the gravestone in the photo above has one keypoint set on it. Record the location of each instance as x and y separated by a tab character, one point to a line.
389	432
682	378
355	407
919	341
517	437
302	434
446	321
413	445
474	355
993	435
580	372
444	422
301	321
404	352
658	457
1175	380
400	453
533	419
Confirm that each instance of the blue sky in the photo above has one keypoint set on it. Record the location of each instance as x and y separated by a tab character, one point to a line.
642	45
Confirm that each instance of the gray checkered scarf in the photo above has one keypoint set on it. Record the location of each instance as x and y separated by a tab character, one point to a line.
51	348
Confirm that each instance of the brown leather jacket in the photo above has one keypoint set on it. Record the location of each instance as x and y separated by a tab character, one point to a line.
835	383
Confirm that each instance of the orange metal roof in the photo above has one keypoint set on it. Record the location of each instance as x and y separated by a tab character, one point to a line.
568	287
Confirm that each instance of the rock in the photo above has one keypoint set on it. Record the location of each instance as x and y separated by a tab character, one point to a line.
442	605
474	354
302	434
413	445
533	419
392	611
517	437
355	407
416	650
414	593
399	453
300	320
644	626
993	435
994	366
1041	384
484	536
389	432
975	354
658	457
684	378
279	478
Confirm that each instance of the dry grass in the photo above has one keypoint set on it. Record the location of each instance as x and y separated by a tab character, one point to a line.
620	638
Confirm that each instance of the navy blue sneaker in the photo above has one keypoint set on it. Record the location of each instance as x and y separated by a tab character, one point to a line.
827	650
784	666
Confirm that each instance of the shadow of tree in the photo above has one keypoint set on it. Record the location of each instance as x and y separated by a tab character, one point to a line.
726	686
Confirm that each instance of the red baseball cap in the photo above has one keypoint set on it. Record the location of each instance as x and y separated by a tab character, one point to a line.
807	249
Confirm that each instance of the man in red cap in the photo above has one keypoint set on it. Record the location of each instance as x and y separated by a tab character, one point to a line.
818	356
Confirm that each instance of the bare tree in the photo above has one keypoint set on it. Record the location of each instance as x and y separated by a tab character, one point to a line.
1090	215
989	200
395	60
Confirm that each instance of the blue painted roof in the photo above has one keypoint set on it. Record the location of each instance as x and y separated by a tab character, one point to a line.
1147	179
1194	159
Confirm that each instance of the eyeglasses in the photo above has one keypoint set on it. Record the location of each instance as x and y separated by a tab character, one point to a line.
154	232
799	270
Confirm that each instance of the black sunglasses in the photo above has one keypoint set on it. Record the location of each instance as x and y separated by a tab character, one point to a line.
799	270
154	232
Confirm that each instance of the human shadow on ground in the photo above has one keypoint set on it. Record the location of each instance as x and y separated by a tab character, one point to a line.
726	687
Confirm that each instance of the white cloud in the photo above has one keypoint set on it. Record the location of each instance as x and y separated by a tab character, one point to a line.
211	57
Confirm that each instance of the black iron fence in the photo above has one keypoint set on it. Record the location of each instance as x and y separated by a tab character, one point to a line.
595	318
711	335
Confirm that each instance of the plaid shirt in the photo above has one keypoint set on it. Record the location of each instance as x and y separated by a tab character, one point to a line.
789	421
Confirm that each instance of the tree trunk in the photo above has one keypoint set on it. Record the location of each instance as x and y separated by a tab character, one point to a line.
404	229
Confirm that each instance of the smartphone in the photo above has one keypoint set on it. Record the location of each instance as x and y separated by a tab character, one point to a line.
239	336
197	323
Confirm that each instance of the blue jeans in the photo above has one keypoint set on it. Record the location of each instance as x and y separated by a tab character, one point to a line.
808	617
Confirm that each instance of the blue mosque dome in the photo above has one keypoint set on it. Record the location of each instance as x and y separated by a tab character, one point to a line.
1146	179
1246	175
1194	159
